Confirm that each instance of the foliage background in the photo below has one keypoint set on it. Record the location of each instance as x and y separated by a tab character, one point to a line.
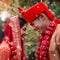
31	39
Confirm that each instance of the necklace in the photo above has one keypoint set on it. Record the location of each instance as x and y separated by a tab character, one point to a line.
44	42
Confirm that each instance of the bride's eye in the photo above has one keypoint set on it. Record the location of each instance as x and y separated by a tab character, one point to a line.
24	29
32	24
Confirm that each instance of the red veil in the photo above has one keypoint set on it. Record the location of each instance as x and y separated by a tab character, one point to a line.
12	34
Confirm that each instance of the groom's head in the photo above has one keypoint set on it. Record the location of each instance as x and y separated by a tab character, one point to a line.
40	23
38	15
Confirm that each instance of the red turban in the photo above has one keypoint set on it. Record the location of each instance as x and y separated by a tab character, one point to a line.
33	12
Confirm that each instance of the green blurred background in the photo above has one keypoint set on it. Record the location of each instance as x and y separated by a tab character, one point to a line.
8	8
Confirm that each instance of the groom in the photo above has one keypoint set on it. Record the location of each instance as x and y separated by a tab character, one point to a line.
44	21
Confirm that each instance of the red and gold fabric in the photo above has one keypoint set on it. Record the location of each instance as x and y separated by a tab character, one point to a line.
4	51
12	37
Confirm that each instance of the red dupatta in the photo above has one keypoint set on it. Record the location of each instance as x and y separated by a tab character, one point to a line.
13	34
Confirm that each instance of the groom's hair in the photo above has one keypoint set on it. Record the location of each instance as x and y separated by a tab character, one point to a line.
22	22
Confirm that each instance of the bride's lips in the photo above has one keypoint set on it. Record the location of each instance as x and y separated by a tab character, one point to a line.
23	35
